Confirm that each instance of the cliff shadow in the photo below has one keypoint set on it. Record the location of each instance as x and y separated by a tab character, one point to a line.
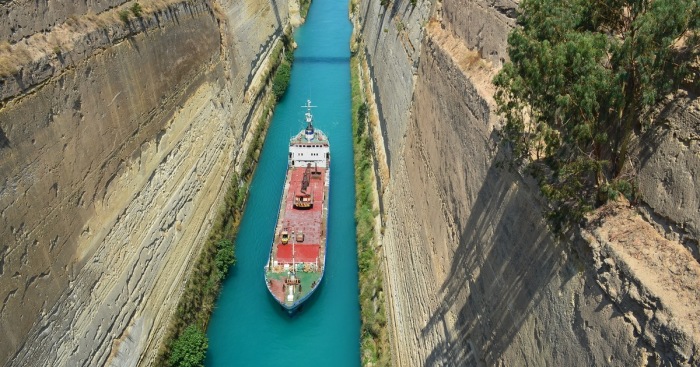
273	5
662	125
504	260
4	141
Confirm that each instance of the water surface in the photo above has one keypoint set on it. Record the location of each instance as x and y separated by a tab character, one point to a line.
248	328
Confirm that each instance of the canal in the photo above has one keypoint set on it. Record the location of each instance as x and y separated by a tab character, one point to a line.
248	328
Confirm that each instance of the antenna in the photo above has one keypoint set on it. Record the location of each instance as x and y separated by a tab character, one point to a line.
308	106
309	132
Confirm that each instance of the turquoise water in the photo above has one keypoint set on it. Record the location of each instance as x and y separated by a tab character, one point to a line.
248	328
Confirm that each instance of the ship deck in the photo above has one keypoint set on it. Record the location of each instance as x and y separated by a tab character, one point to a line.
305	257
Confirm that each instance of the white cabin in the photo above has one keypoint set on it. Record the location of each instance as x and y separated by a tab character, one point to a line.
309	146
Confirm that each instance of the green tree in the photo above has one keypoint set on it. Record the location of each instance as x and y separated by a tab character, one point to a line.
281	80
582	76
189	349
224	258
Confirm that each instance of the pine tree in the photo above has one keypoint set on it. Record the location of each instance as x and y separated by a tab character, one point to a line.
582	77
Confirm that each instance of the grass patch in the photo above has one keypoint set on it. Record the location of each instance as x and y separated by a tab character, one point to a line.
374	337
11	59
304	6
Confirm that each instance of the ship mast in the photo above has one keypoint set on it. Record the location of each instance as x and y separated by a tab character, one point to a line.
309	132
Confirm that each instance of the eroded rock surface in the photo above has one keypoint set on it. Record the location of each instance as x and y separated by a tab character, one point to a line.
112	166
473	276
668	167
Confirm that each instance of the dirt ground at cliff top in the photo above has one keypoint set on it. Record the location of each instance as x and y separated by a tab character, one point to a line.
665	267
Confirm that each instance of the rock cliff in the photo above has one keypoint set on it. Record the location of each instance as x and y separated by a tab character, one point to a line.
117	140
473	276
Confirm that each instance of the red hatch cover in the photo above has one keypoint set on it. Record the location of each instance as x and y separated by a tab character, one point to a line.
303	253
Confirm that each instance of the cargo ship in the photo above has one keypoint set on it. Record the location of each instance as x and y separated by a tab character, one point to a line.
296	263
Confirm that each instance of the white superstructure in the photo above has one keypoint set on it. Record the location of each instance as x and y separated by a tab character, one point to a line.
310	146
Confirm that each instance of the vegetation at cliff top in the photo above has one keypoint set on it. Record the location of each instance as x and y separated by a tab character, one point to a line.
583	77
373	331
202	288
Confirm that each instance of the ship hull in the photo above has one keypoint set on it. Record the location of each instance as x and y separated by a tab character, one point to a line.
299	264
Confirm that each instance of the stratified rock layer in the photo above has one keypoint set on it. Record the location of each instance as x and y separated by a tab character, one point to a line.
112	165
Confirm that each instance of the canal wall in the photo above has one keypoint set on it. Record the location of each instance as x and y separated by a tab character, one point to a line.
472	275
119	133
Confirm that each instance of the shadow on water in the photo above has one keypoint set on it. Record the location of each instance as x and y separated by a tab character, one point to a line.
504	260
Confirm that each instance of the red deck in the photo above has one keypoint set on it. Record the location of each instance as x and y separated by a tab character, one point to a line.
308	221
302	253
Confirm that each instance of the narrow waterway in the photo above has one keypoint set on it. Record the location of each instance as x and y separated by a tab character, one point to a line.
248	328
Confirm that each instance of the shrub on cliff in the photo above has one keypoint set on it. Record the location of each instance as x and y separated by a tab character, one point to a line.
136	10
583	77
304	6
124	16
281	80
224	257
189	349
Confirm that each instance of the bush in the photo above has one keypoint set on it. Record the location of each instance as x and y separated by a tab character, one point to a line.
124	16
189	349
136	10
224	257
304	6
281	80
289	57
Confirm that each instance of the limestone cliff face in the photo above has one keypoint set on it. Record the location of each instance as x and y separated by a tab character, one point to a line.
112	164
392	38
668	167
473	277
23	18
